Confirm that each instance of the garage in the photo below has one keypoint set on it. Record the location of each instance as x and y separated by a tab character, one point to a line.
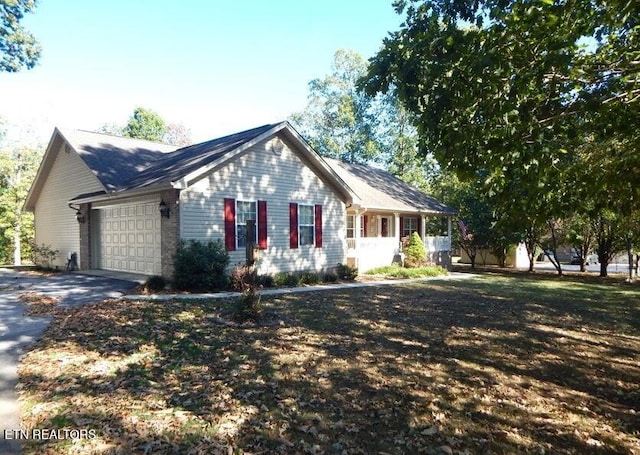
129	238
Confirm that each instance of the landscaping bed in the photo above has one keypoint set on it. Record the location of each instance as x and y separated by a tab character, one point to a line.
495	365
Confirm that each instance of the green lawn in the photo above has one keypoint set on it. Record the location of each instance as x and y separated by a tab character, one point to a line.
497	364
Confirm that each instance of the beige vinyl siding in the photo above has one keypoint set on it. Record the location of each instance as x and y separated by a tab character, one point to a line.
260	174
55	222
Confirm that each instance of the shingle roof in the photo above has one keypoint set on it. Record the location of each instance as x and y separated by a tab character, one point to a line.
378	189
175	165
122	163
126	164
115	160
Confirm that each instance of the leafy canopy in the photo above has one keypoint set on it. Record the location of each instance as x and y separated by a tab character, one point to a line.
339	120
499	83
18	48
145	124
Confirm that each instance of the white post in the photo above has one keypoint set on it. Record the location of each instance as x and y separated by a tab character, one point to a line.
396	227
357	225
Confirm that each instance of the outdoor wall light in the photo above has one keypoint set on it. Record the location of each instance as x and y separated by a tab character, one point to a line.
165	210
79	216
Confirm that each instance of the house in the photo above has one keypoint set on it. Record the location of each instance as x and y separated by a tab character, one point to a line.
124	204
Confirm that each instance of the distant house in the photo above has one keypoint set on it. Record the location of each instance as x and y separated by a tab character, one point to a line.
124	204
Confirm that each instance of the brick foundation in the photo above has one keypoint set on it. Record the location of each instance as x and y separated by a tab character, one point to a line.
170	231
85	253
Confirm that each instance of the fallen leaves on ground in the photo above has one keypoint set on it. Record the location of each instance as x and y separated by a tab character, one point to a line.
495	366
38	304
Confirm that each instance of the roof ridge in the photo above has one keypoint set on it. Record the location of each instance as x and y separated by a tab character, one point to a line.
128	138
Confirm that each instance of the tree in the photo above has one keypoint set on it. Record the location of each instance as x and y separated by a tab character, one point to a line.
495	83
18	48
18	167
415	252
340	120
145	124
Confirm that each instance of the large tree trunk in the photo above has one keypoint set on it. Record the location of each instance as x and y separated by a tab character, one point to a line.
17	251
603	267
630	258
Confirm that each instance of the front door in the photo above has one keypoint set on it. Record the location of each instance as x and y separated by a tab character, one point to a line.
385	223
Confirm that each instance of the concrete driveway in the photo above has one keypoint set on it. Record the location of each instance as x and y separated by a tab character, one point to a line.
18	331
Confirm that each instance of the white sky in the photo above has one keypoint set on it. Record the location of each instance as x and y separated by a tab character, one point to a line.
215	66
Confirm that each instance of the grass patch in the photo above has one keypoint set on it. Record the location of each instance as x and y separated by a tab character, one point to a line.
497	364
397	271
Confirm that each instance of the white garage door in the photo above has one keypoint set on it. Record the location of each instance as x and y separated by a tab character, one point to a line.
130	238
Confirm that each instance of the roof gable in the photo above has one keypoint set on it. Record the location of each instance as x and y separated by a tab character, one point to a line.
125	165
188	160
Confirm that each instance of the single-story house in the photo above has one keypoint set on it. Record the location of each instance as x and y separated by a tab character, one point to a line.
124	204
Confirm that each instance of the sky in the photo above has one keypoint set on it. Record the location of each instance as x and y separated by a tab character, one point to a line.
215	66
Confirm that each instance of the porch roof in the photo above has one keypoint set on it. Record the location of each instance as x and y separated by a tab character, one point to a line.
380	190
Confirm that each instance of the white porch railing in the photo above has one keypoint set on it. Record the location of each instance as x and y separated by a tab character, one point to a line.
437	243
371	252
431	243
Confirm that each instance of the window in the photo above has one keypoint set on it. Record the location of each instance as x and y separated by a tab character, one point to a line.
351	229
305	225
245	210
409	226
306	220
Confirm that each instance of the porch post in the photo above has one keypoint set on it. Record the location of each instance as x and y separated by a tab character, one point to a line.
396	227
357	225
449	253
423	227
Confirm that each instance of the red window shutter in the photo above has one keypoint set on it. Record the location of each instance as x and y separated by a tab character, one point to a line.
230	224
318	227
293	225
262	225
401	233
366	226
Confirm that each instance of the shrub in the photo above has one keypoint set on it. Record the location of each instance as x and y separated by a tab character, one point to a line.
346	272
329	277
155	283
309	278
200	266
415	252
43	255
239	274
287	279
266	281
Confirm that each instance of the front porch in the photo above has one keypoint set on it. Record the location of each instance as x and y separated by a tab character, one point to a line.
374	239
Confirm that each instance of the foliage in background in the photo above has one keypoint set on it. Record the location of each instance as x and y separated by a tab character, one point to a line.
147	124
18	166
201	267
18	47
340	121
